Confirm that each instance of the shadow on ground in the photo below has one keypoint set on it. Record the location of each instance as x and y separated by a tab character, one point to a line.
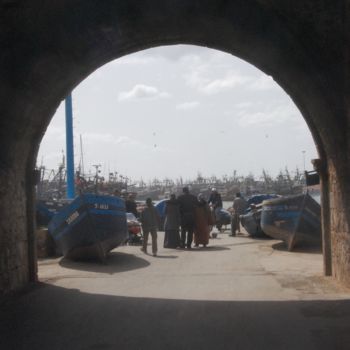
281	246
241	243
209	248
50	317
116	262
164	256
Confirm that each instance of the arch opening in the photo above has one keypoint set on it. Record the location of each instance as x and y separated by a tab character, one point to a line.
153	93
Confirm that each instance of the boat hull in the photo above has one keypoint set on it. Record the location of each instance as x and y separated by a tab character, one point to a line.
46	210
90	227
292	219
251	223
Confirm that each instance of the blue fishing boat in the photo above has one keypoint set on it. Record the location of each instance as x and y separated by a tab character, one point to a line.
89	227
292	219
252	217
251	221
46	209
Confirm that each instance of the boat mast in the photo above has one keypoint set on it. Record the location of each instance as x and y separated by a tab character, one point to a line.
69	148
60	176
81	157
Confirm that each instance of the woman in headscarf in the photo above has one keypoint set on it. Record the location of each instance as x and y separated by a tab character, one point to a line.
172	223
203	222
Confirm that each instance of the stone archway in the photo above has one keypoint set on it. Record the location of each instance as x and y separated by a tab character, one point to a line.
57	44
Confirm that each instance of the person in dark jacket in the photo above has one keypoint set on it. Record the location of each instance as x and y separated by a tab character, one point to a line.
131	206
150	221
172	223
187	203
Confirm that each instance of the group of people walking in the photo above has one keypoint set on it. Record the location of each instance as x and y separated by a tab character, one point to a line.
190	213
187	218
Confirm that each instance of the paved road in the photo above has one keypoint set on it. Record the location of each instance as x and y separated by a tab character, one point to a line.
239	293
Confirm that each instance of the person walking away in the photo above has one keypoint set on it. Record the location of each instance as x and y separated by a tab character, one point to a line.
239	206
187	203
203	222
216	202
150	221
172	223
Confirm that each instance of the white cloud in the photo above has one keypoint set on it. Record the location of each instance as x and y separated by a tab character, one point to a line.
231	81
206	75
187	105
278	115
203	77
264	82
191	60
140	91
196	77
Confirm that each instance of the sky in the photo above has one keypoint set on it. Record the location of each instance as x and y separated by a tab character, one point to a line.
178	110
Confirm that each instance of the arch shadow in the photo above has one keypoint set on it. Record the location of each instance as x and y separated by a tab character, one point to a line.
165	256
116	262
52	317
242	243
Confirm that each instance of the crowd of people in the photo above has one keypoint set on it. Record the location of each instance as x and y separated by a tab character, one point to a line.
190	213
188	219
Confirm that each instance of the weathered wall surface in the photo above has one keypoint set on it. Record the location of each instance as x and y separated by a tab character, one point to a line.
49	47
14	267
339	220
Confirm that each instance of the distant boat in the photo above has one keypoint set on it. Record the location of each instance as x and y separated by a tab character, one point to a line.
292	219
89	227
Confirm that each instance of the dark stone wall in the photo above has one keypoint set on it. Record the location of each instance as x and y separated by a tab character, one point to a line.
339	220
14	268
49	47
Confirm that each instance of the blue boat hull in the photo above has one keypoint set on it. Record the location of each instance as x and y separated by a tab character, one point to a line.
89	227
251	223
46	210
292	219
